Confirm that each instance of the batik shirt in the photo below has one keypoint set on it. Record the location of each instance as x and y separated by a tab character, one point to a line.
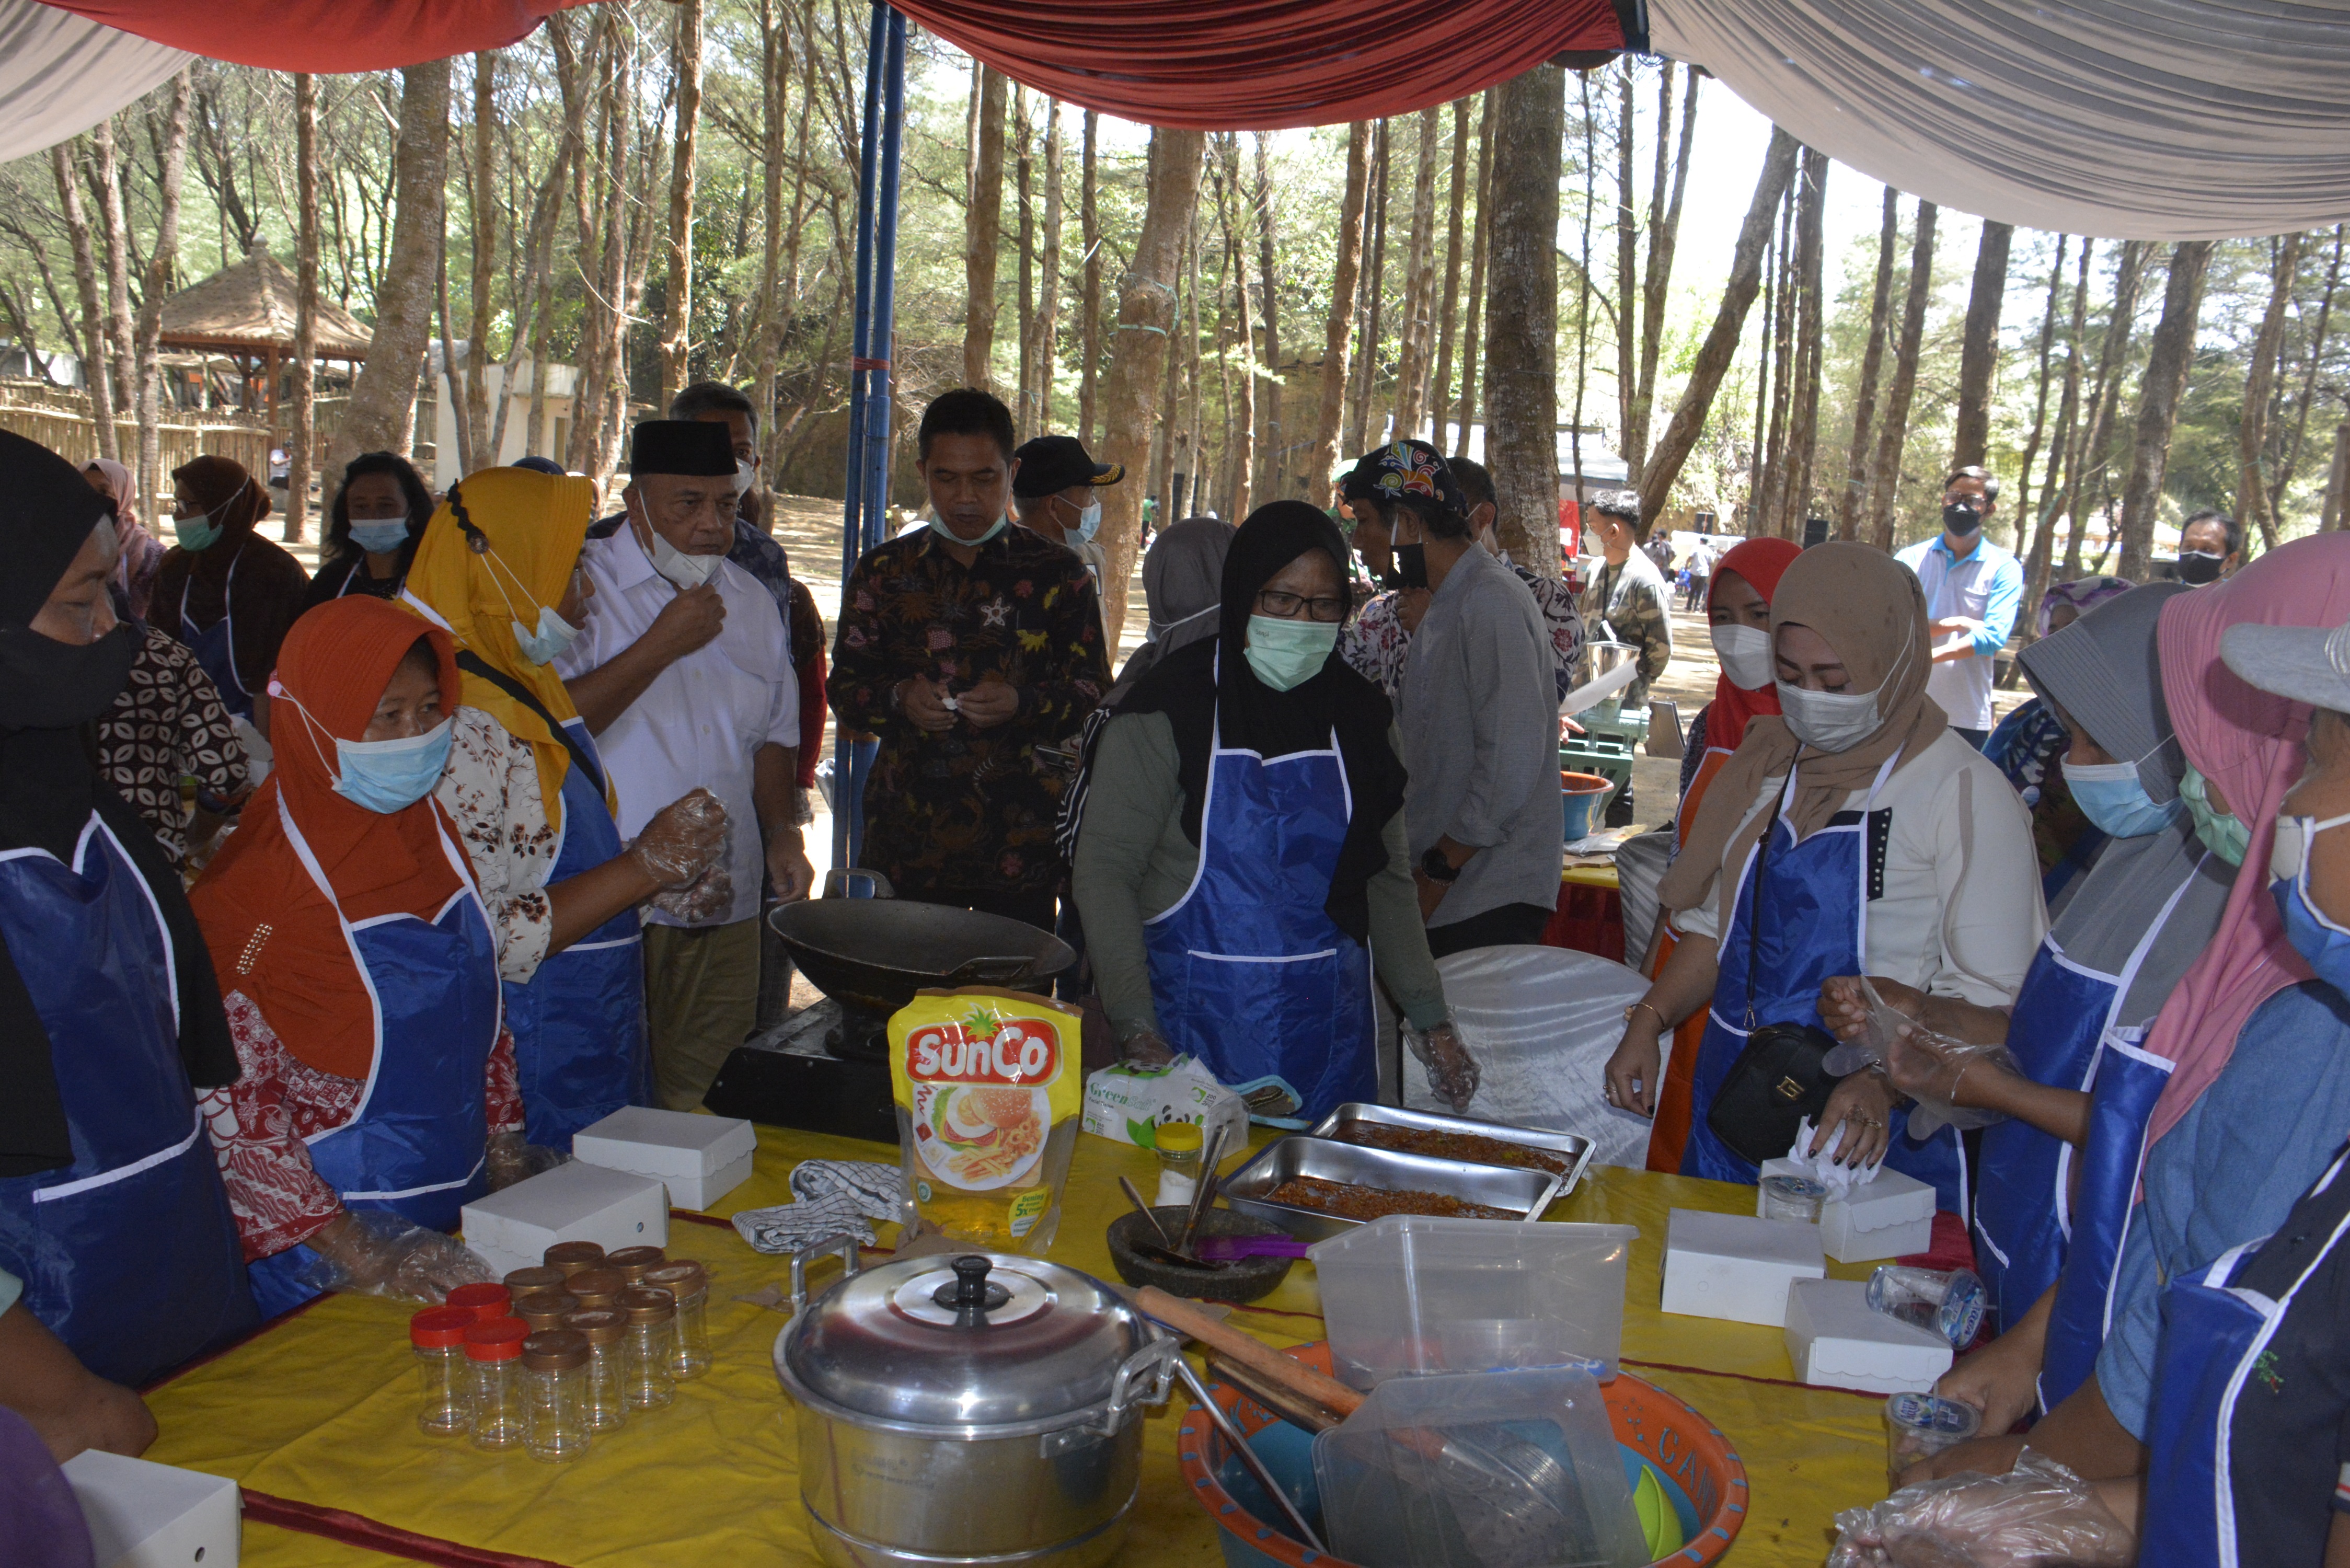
967	810
168	724
1374	642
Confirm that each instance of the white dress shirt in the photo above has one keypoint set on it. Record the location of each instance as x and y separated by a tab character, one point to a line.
700	720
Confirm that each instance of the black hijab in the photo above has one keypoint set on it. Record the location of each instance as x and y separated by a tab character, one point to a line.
1213	700
51	697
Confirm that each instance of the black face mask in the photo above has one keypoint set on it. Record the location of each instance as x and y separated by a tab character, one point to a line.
2197	567
1961	519
1411	566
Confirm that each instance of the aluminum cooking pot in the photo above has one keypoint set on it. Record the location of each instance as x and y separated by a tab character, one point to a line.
961	1408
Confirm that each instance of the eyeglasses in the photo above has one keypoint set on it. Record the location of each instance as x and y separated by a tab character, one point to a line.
1290	607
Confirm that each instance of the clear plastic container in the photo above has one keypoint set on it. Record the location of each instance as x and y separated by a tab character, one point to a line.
1792	1197
652	1346
573	1256
1413	1293
555	1366
688	1282
1920	1425
1178	1148
486	1302
632	1262
606	1329
444	1381
500	1413
547	1310
1518	1467
1950	1304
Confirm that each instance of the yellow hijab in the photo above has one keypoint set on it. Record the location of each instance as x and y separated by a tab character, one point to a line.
534	525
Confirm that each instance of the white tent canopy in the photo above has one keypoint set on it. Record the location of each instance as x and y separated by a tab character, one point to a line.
60	75
2123	119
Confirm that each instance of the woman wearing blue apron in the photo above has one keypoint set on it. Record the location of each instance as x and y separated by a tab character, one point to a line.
112	1213
361	978
1852	833
496	569
1240	862
224	590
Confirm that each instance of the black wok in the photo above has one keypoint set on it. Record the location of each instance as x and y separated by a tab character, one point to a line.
875	953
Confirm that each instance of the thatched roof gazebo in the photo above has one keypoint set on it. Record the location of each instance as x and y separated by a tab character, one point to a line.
246	313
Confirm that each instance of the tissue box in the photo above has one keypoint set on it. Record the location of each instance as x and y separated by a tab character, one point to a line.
575	1203
1888	1216
143	1515
1125	1103
1834	1339
699	1158
1731	1266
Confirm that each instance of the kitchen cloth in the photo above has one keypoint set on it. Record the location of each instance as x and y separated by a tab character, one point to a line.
835	1197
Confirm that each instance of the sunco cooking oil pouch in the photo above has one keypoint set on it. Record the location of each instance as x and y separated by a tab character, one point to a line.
989	1088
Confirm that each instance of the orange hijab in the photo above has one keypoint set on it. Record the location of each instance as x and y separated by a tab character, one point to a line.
273	934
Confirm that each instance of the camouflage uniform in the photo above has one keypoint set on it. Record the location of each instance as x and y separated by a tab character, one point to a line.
1627	604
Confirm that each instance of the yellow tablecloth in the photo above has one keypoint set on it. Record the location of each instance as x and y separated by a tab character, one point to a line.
317	1413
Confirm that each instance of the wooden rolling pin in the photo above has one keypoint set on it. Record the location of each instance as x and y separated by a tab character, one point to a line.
1260	1358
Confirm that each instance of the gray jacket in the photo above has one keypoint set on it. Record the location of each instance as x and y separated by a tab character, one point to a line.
1479	725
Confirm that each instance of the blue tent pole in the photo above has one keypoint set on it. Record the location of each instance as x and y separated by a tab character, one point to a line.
849	783
876	489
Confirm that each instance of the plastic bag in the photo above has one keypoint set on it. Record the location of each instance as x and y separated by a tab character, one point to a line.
386	1255
683	839
709	896
2039	1512
1885	1025
988	1085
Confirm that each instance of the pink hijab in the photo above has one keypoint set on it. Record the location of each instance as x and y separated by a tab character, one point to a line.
2247	743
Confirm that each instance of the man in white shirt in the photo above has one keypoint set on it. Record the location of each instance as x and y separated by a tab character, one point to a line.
1972	590
684	674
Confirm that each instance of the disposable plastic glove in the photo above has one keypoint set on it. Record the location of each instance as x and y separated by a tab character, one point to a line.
1452	1073
2039	1512
1144	1046
682	840
379	1254
510	1159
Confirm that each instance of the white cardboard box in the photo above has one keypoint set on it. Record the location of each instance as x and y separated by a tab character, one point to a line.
699	1158
1836	1340
1732	1266
574	1202
1888	1216
143	1515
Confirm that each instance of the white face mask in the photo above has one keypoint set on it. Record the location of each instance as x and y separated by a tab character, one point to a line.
685	571
1745	655
1829	721
747	476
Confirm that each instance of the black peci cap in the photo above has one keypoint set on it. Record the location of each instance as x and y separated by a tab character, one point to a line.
695	447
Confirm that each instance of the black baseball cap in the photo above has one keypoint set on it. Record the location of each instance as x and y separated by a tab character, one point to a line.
1050	464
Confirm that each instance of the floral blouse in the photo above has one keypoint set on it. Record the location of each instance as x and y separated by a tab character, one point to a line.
491	788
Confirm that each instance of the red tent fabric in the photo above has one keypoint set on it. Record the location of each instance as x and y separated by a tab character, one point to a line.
1257	65
323	35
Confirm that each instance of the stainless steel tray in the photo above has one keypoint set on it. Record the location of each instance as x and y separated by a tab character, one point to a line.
1572	1146
1524	1192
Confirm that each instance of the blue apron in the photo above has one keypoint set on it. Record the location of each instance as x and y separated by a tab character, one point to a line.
129	1255
416	1145
1249	972
2025	1217
215	645
579	1025
1808	921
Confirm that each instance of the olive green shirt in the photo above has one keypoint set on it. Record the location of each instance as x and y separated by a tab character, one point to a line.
1134	864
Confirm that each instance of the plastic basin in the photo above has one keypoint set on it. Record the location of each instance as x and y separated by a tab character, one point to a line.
1701	1474
1583	795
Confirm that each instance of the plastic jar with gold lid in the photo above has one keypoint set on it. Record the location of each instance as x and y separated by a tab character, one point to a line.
573	1256
494	1351
632	1262
537	1278
652	1346
688	1282
547	1310
606	1330
597	1287
555	1366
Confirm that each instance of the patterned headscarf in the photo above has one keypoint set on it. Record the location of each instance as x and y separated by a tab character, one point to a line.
1404	468
2082	595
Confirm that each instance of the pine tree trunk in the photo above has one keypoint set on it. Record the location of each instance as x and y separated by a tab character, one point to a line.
1472	335
1758	501
1375	281
1131	392
2337	481
1048	326
774	75
2092	465
1782	355
484	221
1627	255
677	316
1090	299
2020	504
1240	408
983	231
2259	384
1979	356
1272	460
121	332
2290	462
382	412
445	384
1854	500
2170	352
1420	281
1448	323
1024	188
91	341
162	274
1321	460
1713	357
2065	457
1590	122
1804	426
1664	238
1893	431
1520	355
302	459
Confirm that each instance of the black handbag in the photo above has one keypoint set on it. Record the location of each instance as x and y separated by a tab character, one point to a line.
1780	1077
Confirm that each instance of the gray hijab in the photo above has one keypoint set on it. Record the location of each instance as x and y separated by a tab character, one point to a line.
2102	671
1182	581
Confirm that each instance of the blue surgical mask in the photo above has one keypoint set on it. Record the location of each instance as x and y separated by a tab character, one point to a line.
1286	654
198	532
1088	521
546	644
952	537
393	775
2113	798
2313	934
2221	832
382	537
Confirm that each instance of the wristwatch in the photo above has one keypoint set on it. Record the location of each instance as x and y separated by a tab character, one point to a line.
1437	868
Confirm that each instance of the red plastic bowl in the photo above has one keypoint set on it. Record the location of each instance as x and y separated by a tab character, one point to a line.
1662	1429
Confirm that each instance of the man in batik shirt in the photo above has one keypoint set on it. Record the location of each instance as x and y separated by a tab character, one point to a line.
966	646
